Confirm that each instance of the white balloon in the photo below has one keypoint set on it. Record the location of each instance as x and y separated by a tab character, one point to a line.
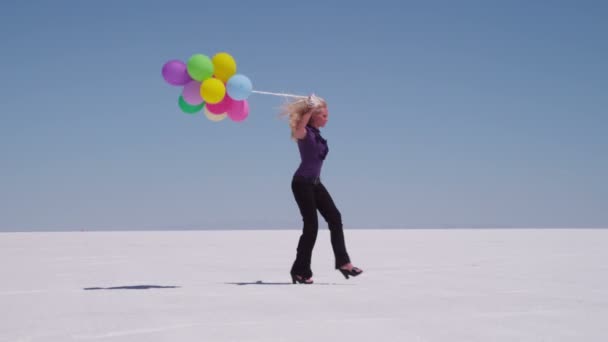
215	117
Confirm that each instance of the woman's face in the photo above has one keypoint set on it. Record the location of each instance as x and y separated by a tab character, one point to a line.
319	117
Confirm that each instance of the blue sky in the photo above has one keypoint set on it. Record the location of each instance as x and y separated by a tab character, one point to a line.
442	114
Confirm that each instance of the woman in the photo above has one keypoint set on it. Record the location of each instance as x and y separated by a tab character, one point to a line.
306	116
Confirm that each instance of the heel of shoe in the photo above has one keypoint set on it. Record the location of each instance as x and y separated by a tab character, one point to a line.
355	271
300	280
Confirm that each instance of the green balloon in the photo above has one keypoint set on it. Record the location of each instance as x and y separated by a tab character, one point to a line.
188	108
200	67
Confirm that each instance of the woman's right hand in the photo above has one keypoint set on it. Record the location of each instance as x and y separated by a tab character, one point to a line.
313	101
309	101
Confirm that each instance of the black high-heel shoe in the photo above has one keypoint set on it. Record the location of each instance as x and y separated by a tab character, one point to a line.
352	272
300	280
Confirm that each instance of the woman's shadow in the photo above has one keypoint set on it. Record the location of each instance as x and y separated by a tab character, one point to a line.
131	287
261	282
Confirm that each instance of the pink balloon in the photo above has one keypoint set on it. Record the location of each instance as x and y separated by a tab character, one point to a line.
221	107
239	111
192	93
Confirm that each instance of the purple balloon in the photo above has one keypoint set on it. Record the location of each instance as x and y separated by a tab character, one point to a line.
175	72
192	93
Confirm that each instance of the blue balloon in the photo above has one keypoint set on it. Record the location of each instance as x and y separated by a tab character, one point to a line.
239	87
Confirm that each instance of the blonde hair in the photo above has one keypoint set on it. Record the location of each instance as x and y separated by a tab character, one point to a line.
295	109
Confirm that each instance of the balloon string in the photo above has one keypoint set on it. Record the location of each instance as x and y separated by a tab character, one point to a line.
278	94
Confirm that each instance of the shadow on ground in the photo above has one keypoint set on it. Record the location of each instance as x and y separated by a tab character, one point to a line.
260	282
132	287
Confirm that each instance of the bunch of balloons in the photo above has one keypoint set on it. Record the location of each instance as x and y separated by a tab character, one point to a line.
211	85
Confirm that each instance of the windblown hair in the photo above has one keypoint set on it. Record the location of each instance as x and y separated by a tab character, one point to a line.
295	109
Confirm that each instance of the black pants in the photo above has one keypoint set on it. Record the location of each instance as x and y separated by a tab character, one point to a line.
312	196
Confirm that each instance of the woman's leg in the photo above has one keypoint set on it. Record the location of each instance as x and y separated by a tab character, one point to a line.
332	215
305	198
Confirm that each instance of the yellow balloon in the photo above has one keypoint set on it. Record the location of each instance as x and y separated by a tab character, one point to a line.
213	90
224	66
215	117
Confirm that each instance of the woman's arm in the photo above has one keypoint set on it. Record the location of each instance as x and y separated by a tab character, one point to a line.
300	131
